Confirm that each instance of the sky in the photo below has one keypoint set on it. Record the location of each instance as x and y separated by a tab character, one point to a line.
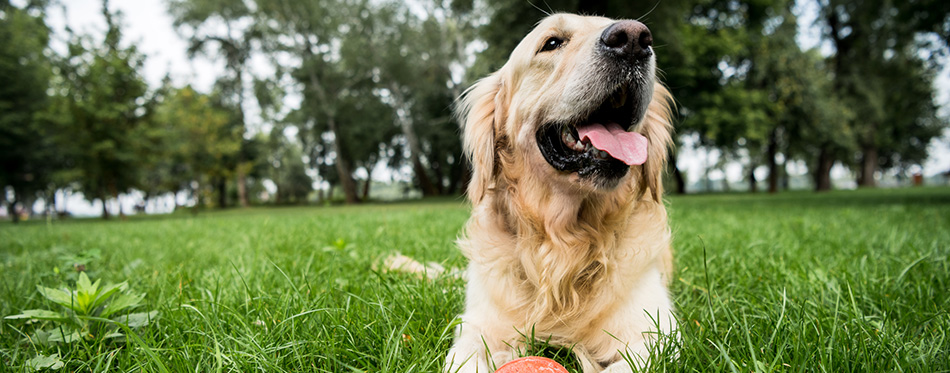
148	25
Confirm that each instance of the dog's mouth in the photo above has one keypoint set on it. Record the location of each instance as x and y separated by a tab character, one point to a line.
598	146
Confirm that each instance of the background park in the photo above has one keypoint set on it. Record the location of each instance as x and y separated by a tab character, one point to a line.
265	155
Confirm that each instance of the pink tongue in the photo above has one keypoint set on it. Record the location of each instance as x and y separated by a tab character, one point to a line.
629	147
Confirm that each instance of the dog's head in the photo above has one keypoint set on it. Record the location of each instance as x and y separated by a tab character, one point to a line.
577	107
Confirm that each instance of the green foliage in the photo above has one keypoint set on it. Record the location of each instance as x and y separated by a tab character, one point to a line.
417	56
285	167
378	80
27	158
336	69
103	109
913	119
90	312
198	142
879	50
235	45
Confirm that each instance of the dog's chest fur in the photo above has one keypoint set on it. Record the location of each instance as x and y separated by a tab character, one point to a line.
562	269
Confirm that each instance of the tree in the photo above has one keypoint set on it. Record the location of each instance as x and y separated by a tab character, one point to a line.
106	113
912	116
814	122
877	48
27	154
336	63
418	55
235	43
803	117
162	171
286	168
199	138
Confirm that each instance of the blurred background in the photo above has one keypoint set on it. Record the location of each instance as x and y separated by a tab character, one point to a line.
148	106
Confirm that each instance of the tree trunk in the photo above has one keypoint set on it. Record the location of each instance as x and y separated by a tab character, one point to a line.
428	188
118	203
50	206
771	153
196	194
868	167
11	210
366	188
105	209
343	168
752	181
680	181
27	202
221	184
242	186
241	172
371	162
783	178
415	149
439	176
65	210
677	175
823	170
706	181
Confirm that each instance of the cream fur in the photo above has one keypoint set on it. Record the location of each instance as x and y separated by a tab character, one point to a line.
550	254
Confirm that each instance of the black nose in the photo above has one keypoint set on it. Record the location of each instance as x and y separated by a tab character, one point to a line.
627	39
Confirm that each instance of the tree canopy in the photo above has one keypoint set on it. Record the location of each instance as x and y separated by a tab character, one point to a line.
354	86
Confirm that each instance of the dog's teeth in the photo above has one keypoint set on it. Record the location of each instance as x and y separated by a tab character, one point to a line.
567	137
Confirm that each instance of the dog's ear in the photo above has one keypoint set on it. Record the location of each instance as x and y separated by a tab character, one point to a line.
480	111
657	128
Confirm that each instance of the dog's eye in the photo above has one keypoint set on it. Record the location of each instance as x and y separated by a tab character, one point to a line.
551	44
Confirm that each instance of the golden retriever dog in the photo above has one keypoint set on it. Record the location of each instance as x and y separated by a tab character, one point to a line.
568	241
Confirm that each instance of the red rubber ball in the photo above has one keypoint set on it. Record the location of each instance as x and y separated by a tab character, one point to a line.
532	364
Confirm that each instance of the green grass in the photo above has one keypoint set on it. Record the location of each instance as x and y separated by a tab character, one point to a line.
837	282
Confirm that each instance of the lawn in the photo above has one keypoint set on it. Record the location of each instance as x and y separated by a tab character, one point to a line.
849	281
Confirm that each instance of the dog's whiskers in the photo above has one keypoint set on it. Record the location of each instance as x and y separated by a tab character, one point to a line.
546	13
657	3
